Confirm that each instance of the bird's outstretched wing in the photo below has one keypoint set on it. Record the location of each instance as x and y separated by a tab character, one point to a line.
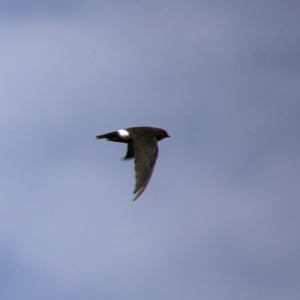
130	151
145	155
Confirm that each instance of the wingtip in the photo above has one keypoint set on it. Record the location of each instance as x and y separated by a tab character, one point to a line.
135	197
138	193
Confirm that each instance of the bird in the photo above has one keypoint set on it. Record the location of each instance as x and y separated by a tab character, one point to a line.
142	146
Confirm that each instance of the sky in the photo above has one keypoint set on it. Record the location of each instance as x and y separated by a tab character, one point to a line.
219	219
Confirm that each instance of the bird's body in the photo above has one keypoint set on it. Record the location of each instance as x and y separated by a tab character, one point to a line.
142	146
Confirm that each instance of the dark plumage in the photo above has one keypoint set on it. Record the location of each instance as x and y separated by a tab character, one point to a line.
142	146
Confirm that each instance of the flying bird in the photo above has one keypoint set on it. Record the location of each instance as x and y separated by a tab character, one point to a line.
142	146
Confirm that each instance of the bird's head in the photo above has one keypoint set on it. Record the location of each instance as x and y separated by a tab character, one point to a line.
161	134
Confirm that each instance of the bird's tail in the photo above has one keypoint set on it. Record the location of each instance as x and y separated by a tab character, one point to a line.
111	136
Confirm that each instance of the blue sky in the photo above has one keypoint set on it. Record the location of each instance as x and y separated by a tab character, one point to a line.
220	217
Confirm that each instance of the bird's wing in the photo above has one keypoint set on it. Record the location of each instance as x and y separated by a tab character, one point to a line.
130	151
145	155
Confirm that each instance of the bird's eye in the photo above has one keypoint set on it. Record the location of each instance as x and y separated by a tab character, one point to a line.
163	132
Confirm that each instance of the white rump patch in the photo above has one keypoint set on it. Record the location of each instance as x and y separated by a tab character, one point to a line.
123	133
